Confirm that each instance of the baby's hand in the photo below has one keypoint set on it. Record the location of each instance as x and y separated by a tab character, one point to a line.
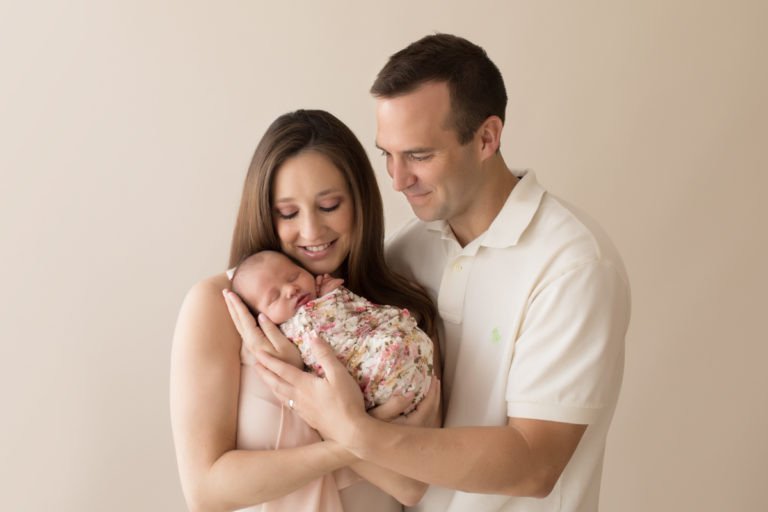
326	284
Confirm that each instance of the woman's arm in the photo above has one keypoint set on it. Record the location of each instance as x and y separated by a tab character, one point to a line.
429	413
404	489
205	382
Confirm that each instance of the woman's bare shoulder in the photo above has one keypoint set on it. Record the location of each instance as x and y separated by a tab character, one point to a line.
214	283
204	315
208	290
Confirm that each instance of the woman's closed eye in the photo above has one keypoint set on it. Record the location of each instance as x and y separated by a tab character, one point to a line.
329	209
287	214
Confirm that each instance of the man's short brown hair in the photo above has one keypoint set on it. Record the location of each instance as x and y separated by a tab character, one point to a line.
475	83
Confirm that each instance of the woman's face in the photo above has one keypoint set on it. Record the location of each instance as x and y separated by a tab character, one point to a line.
313	211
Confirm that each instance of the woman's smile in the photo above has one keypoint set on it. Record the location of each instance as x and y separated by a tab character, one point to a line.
314	212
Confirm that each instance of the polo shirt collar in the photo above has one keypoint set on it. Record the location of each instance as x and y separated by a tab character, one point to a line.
514	217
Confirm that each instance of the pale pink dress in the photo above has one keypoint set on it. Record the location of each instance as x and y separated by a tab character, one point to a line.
264	423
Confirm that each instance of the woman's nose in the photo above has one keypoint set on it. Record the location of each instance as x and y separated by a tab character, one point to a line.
311	228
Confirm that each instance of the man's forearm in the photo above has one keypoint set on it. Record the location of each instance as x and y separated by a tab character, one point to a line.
494	460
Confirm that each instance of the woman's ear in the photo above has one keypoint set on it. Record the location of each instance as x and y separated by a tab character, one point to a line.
490	136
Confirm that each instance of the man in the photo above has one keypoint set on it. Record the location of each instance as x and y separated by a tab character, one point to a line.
533	302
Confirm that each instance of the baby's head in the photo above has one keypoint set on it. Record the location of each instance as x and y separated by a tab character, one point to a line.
270	283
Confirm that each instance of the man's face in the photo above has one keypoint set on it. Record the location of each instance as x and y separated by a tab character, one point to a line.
424	157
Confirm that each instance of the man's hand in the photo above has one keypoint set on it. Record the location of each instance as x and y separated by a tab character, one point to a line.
426	414
268	338
332	405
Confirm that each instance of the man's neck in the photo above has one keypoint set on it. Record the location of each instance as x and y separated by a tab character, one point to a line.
487	202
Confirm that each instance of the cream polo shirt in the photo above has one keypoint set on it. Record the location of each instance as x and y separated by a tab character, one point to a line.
533	315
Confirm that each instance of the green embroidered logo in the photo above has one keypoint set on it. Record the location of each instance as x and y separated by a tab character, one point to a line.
495	336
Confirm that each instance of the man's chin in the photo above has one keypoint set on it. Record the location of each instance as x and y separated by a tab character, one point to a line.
425	214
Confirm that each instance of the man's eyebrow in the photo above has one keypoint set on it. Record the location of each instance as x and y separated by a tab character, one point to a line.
407	151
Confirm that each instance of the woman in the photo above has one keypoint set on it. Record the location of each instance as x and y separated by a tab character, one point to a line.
311	193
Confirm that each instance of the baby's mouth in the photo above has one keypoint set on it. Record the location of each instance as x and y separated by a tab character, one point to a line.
302	300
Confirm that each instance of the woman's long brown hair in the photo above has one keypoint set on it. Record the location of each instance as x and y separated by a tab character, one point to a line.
364	271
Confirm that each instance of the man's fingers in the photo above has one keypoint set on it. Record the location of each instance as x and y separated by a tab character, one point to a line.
427	412
392	408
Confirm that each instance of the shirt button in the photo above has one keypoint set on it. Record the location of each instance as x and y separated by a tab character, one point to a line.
457	267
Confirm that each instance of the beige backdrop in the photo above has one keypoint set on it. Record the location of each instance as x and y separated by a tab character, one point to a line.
126	129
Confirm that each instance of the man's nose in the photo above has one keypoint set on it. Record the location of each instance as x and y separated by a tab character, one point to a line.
402	178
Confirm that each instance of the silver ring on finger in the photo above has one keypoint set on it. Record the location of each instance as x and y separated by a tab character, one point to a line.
291	403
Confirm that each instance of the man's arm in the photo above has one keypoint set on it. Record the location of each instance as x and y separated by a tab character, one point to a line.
524	458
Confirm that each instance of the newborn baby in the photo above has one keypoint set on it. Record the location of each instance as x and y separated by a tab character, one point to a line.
381	346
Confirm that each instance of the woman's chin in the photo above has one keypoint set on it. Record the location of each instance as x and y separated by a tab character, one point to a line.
319	268
327	261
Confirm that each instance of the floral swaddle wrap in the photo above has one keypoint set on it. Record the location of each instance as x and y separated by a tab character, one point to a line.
381	346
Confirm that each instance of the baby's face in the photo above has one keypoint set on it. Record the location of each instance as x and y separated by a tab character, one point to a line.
278	288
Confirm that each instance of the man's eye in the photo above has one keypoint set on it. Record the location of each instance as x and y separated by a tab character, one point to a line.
384	153
420	157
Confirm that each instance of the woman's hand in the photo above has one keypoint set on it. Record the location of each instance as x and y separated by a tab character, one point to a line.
268	338
326	284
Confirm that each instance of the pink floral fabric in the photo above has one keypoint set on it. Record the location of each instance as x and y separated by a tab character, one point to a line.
381	346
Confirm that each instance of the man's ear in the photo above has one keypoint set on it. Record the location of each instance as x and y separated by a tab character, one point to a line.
490	136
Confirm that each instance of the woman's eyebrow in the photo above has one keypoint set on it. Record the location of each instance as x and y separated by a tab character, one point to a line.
328	191
319	194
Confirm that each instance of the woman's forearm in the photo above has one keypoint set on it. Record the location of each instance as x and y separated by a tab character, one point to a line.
204	396
241	478
404	489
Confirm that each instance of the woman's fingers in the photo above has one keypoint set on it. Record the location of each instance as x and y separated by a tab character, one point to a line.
326	358
284	348
282	390
233	312
286	372
272	332
253	338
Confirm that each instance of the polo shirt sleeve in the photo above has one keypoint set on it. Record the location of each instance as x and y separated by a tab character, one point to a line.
568	358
